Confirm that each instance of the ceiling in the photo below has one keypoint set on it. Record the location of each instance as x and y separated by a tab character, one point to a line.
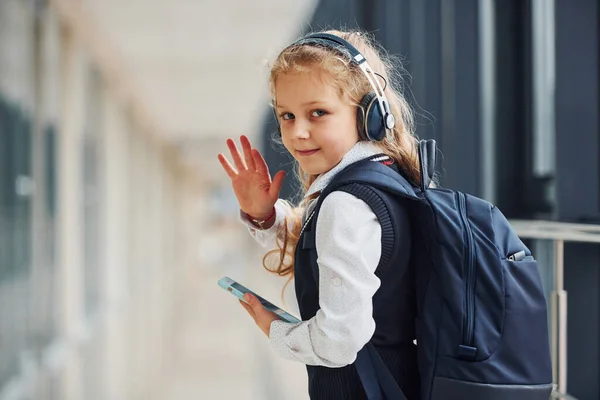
200	65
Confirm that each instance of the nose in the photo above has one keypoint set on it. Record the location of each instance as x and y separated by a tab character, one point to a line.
299	130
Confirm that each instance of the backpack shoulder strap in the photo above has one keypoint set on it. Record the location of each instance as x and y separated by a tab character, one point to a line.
376	203
365	180
362	179
374	174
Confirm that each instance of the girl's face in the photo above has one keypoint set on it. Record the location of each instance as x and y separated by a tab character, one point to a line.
317	126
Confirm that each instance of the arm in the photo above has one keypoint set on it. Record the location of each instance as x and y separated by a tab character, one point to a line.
348	240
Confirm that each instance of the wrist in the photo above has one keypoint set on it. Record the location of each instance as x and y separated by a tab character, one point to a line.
263	216
262	221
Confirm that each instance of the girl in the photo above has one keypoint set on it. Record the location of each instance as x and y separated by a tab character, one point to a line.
324	96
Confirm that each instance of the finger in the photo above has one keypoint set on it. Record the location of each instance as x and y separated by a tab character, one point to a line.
249	309
276	184
247	148
261	165
231	172
240	164
254	303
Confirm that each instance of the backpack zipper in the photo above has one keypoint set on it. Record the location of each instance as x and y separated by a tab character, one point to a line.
520	256
469	321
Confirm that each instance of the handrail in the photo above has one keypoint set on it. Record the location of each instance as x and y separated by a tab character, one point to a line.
570	232
559	233
577	226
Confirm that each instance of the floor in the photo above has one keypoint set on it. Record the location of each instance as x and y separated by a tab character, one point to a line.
219	353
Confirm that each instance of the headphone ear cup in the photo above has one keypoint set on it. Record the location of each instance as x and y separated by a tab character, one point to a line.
369	119
361	113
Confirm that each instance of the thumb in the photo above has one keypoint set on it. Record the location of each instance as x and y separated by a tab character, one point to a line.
276	184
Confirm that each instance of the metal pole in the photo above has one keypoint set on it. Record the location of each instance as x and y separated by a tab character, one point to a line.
487	73
559	320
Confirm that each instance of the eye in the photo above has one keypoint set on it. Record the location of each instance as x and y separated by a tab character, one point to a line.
286	116
318	113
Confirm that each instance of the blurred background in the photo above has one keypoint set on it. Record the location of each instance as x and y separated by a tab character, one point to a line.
116	219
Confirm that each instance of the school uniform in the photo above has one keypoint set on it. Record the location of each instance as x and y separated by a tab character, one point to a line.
354	299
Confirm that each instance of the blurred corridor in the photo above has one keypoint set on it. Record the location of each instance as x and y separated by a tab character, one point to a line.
115	218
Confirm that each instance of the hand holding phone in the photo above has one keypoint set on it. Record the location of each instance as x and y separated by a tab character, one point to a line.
239	291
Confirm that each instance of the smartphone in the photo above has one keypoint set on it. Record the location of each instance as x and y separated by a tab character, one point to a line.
239	291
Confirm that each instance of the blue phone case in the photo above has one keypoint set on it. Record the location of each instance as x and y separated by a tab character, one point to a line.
238	291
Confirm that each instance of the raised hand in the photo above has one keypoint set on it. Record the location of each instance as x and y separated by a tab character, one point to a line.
255	191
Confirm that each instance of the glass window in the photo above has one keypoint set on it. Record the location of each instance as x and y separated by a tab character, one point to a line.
16	188
90	193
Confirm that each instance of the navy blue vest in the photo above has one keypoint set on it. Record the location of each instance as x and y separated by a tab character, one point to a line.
394	304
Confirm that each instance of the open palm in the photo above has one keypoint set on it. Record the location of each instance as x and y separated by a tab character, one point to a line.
250	178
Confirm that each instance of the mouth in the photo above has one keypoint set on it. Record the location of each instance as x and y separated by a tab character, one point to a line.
306	152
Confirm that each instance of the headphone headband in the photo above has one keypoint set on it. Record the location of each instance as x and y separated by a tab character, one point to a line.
328	40
337	43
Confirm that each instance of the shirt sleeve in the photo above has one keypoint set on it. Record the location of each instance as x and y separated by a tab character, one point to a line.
348	241
267	237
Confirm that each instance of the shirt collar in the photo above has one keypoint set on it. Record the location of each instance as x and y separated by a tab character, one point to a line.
360	151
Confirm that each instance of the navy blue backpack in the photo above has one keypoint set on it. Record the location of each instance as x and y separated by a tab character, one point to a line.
482	330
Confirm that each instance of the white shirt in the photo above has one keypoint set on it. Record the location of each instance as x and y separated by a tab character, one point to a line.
348	242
